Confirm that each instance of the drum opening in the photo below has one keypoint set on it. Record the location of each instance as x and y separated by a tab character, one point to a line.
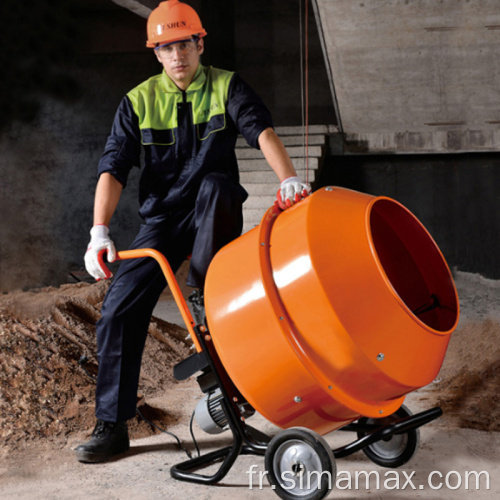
413	265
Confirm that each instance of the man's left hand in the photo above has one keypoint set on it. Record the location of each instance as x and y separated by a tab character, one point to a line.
291	191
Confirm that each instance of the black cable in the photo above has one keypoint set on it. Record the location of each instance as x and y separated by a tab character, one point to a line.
192	433
83	359
188	453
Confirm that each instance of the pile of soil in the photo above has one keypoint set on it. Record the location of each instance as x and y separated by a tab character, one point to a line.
48	364
467	388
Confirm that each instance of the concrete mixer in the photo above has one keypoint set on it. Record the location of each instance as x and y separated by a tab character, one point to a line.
321	318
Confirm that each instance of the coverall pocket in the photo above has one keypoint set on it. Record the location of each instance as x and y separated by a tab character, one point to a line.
215	124
158	137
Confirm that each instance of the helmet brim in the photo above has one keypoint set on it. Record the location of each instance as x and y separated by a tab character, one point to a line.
180	35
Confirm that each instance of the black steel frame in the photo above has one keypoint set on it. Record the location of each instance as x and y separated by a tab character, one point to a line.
250	441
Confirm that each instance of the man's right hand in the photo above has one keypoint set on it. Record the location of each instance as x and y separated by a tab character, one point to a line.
99	241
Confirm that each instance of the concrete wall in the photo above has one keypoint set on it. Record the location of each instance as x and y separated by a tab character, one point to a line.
268	48
414	76
456	197
49	158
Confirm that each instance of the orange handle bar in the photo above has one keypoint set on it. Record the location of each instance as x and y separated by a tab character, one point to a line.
286	324
172	283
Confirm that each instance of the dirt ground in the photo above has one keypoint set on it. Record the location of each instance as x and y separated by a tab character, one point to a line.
47	370
48	364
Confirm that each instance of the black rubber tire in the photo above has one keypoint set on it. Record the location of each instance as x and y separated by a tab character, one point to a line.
396	450
300	465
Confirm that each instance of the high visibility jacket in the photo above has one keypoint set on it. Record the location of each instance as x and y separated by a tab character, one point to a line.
185	135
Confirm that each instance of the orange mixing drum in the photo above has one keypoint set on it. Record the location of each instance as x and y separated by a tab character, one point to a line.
334	309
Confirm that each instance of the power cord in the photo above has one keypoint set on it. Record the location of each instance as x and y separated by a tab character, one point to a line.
83	359
192	433
181	446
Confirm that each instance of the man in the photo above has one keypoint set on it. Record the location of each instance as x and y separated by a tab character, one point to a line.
186	120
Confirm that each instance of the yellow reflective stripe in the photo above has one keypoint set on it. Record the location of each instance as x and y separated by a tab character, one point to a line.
155	104
212	101
154	108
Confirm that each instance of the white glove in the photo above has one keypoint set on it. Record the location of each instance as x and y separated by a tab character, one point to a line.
99	241
291	191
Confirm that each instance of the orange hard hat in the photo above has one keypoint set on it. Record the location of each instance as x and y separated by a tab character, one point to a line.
171	21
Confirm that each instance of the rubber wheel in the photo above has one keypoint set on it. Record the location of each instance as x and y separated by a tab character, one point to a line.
300	465
395	450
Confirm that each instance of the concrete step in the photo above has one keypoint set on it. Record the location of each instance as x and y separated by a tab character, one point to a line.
261	182
312	129
265	176
259	202
254	219
291	140
262	188
256	164
293	152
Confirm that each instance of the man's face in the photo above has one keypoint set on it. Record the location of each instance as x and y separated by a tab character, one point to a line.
180	60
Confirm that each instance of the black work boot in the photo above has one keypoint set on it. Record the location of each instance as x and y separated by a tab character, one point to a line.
198	306
108	439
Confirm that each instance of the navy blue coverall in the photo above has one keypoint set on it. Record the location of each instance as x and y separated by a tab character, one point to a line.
190	200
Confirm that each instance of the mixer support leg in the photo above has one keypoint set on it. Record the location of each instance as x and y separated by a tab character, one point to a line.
255	441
